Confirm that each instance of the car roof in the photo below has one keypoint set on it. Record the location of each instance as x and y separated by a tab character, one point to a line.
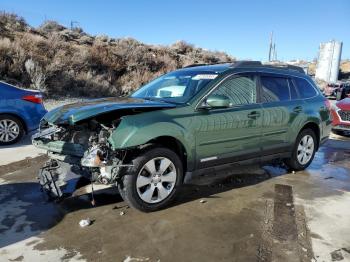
254	66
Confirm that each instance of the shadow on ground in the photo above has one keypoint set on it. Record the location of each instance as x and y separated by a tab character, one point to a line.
25	211
25	141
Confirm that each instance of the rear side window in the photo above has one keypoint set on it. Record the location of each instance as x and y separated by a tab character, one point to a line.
274	89
305	89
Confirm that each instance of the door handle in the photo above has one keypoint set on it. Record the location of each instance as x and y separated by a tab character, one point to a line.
297	109
254	115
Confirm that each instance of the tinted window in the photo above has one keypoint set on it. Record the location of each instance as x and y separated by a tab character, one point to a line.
305	89
240	90
274	89
293	91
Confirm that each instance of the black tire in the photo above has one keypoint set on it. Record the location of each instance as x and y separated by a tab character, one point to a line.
20	129
340	94
128	189
338	132
293	162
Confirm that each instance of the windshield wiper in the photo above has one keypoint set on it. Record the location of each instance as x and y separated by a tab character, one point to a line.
150	98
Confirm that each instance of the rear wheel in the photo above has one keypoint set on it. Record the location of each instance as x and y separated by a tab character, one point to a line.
153	181
304	150
11	130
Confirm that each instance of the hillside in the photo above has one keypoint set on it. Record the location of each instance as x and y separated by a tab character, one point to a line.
64	62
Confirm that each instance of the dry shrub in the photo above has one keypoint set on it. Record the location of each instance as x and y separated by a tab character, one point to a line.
51	26
65	62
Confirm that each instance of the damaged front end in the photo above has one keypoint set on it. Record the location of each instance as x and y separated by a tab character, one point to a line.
77	138
75	152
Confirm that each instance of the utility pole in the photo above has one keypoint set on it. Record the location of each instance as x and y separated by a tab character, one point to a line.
270	48
72	24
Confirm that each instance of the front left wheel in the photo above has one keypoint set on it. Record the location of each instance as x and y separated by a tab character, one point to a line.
153	181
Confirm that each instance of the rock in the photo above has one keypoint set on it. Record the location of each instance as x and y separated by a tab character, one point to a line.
86	40
337	255
202	201
122	213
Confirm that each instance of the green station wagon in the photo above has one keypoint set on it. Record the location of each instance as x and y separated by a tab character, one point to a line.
186	126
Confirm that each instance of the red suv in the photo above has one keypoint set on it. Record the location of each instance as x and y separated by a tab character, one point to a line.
332	89
341	116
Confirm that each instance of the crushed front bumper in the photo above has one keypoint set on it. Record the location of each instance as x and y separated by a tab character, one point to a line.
60	147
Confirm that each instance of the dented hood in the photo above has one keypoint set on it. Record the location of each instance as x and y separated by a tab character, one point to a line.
72	113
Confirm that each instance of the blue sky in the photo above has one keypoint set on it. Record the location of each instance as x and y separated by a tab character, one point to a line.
240	28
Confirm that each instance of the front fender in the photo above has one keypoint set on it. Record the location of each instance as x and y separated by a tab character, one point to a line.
130	134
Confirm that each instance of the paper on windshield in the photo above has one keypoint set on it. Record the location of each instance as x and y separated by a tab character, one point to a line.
204	77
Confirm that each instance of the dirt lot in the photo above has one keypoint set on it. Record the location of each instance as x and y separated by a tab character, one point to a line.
259	214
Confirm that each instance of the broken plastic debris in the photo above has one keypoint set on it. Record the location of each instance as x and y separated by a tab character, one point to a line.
85	222
122	213
288	204
202	201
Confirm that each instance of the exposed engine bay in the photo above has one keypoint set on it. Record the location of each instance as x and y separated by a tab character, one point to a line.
82	150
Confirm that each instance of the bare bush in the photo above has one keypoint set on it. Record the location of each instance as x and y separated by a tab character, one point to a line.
51	26
63	62
37	75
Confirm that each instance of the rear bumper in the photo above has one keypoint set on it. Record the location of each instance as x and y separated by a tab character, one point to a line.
341	127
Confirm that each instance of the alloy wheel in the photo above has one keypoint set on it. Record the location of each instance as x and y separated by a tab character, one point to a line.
305	149
156	180
9	130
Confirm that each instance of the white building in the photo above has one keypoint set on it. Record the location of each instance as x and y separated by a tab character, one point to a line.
327	68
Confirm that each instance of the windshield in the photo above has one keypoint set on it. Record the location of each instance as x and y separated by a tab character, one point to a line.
176	87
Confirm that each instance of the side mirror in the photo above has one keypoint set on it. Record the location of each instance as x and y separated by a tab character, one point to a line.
216	101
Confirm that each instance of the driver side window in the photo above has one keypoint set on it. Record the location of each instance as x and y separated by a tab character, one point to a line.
241	90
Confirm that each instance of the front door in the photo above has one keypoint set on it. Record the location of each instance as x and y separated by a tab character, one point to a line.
225	135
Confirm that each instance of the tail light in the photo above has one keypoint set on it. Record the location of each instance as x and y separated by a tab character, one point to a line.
37	98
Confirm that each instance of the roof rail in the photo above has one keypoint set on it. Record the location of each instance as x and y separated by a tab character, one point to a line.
193	65
285	66
206	64
246	63
267	65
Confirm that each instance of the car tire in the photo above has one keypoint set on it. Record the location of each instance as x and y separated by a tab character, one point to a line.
303	151
338	132
153	180
340	94
11	129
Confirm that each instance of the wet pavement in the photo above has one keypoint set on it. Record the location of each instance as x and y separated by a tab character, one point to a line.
258	214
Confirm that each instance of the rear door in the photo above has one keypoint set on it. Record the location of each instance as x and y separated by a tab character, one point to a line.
230	134
282	113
